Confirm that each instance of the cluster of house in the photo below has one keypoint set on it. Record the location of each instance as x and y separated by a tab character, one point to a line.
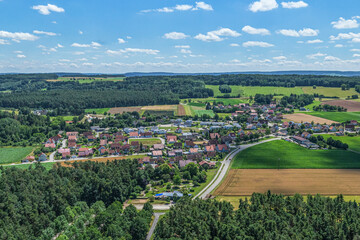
304	142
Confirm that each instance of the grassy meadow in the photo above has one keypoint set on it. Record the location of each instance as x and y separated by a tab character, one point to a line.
330	92
14	154
284	155
337	116
353	142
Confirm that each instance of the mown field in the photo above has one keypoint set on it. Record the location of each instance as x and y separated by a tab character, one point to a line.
48	166
97	110
226	101
337	116
330	92
353	142
284	155
14	154
251	91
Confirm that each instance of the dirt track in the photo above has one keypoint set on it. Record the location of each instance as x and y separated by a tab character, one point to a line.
351	106
302	117
181	110
243	182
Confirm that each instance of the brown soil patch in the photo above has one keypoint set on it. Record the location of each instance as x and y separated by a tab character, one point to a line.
351	106
122	110
181	110
244	182
302	117
105	159
160	108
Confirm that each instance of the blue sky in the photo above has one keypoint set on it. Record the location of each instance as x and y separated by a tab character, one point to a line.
117	36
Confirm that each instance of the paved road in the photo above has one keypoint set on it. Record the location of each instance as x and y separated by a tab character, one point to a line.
52	155
224	168
153	226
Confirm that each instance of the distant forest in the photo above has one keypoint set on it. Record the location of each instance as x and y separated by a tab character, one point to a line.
32	90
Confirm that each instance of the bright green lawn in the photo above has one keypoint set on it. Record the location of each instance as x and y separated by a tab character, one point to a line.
251	91
314	104
330	92
97	110
285	155
149	141
353	142
337	116
14	154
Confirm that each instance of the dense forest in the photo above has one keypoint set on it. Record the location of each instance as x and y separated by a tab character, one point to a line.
263	216
35	203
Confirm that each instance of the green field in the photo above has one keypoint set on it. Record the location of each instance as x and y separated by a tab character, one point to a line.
284	155
149	141
353	142
97	110
330	92
226	101
314	104
251	91
337	116
14	154
48	166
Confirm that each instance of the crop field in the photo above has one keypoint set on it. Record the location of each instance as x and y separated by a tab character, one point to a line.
47	166
353	142
160	108
308	117
330	92
14	154
149	141
337	116
122	110
85	79
226	101
243	182
201	111
97	110
252	91
103	160
181	110
285	155
351	106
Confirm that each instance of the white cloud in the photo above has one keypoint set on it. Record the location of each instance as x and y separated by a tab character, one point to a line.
345	24
79	53
47	9
234	45
20	56
185	51
315	41
4	42
331	58
356	40
64	60
182	46
316	55
299	4
354	50
120	40
203	6
133	50
217	35
356	55
88	64
306	32
339	46
251	30
44	33
257	44
263	5
345	36
59	45
93	45
17	36
175	35
183	7
81	32
280	58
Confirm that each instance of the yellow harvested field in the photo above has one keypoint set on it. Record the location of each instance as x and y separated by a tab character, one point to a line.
160	108
122	110
301	117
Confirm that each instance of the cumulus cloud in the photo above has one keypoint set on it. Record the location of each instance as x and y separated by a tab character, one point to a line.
342	23
120	40
182	46
234	45
20	56
280	58
299	4
182	7
306	32
263	5
331	58
175	35
44	33
260	31
93	45
18	36
185	51
315	41
4	42
339	45
316	55
356	55
257	44
217	35
133	50
345	36
47	9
